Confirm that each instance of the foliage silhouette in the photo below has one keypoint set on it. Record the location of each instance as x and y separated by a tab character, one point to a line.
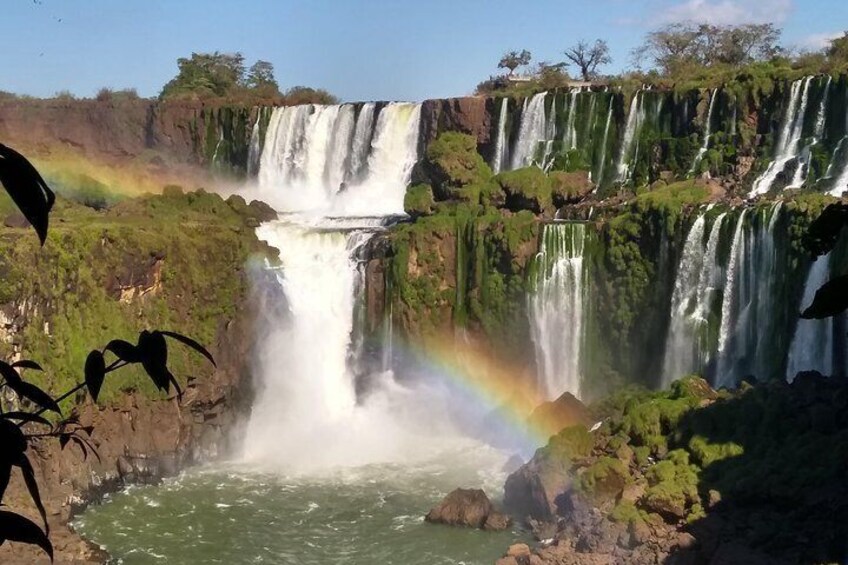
35	200
832	298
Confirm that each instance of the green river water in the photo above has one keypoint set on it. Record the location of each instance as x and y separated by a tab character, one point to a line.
233	514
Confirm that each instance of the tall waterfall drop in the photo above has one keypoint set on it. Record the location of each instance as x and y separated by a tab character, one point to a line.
324	168
707	134
789	140
500	157
635	117
531	131
557	308
699	280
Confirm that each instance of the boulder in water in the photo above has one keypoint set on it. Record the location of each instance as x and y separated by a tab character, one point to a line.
470	508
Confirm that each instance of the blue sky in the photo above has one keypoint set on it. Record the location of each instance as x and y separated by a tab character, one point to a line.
359	50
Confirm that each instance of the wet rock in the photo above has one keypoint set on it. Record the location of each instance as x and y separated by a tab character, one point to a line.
468	507
551	417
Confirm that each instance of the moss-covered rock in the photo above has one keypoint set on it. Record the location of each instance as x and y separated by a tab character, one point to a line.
418	200
568	188
526	189
453	164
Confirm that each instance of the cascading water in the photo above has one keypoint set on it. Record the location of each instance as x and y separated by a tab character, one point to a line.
254	152
707	134
635	117
603	159
304	356
812	345
318	158
699	279
789	140
500	157
803	167
749	301
556	308
531	131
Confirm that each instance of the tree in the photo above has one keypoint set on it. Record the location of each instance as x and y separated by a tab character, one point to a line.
513	59
260	77
206	74
589	57
838	49
680	47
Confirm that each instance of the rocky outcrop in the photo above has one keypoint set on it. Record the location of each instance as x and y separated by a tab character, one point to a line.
470	508
684	476
551	417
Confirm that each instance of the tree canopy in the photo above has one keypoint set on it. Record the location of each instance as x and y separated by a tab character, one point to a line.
677	48
206	75
511	60
589	57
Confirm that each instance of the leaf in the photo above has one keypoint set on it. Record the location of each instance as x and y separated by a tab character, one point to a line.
27	390
27	364
95	372
191	343
27	189
35	394
10	374
823	232
5	474
13	442
63	440
154	358
14	527
25	417
123	350
32	487
831	299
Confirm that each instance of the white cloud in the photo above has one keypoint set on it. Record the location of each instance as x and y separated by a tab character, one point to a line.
725	12
819	41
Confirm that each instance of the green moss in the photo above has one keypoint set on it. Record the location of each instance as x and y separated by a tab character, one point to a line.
454	162
418	200
526	189
154	262
605	479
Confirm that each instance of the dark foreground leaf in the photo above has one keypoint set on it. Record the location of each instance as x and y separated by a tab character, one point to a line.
14	527
831	299
191	343
95	372
123	350
27	189
32	487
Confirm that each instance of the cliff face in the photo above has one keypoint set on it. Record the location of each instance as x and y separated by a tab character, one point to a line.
175	262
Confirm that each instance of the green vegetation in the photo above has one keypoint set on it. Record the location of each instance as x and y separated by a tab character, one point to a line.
224	75
174	261
761	459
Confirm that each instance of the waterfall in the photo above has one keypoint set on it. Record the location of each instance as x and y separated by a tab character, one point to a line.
569	140
602	164
531	131
312	152
699	279
803	168
306	357
839	161
362	135
254	152
791	132
556	308
500	156
707	133
812	344
550	133
746	333
733	266
635	117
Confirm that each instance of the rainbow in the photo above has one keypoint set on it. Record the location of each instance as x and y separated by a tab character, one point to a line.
504	392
